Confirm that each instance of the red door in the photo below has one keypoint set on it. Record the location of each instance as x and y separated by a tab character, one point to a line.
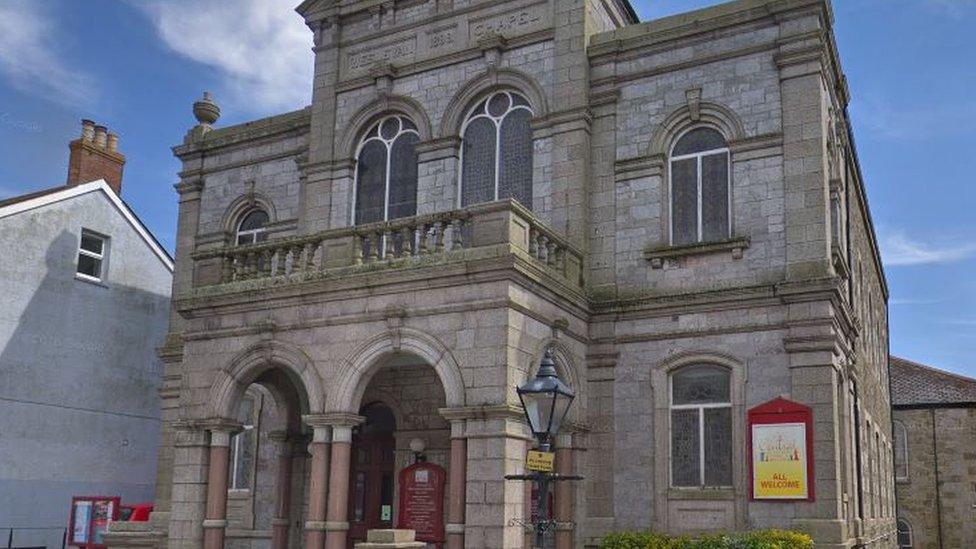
371	485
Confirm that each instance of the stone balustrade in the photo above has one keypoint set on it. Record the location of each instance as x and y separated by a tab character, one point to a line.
443	236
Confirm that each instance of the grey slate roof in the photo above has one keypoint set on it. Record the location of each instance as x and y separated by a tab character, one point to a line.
915	384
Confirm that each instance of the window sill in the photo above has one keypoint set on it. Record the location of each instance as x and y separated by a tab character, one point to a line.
657	256
711	494
90	280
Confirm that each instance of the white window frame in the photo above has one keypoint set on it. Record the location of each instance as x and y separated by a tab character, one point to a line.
235	458
701	428
252	233
388	143
698	156
100	257
497	121
901	441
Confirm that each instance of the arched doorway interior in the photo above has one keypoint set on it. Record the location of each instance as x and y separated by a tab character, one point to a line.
372	472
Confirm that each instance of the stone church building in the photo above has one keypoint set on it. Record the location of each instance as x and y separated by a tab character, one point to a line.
674	207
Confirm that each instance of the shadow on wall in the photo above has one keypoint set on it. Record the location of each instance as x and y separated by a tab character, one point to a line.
79	381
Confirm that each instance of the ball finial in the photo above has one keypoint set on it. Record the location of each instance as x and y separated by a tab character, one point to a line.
205	110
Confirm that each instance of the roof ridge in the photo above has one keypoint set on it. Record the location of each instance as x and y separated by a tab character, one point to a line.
935	370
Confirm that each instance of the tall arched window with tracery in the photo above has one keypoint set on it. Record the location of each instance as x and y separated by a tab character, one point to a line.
700	188
386	171
496	152
252	227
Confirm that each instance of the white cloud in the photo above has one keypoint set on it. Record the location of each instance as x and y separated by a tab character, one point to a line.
898	249
896	301
261	48
30	63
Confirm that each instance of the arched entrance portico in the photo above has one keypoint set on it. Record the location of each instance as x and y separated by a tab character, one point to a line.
413	377
256	408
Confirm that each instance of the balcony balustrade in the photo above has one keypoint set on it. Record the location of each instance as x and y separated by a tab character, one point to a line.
443	237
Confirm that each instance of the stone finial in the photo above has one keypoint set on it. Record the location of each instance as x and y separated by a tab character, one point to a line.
206	111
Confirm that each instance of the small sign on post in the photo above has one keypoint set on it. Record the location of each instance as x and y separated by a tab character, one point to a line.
540	461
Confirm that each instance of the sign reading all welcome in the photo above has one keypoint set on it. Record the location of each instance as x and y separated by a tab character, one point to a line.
781	451
779	461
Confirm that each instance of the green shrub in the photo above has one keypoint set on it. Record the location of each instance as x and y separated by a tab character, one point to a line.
758	539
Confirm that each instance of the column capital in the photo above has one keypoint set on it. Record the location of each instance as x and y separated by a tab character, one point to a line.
220	430
488	411
333	419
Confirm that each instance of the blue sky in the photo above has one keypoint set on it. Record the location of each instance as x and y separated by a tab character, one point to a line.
138	66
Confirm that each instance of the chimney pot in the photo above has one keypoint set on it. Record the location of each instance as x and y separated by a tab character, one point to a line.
87	130
100	136
95	156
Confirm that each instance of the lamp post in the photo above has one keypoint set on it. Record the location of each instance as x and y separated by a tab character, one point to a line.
545	400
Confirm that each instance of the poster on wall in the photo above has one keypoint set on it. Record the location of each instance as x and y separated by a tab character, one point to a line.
779	457
781	451
89	520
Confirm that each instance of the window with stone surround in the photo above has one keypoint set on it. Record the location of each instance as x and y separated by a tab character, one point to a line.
252	228
386	171
700	183
901	452
904	534
701	427
496	151
242	447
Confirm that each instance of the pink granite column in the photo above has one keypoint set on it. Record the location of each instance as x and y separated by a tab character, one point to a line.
337	523
528	537
458	481
318	487
564	493
280	522
216	515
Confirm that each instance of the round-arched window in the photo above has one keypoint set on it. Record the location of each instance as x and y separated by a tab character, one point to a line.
700	188
904	534
701	426
386	171
253	227
496	152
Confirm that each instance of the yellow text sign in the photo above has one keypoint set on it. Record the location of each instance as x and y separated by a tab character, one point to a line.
540	461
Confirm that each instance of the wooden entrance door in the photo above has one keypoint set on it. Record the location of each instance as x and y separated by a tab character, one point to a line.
372	477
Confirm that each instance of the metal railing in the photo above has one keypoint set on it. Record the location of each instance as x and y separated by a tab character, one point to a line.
34	537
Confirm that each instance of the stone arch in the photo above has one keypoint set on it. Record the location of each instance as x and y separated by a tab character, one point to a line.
241	205
358	368
705	113
228	389
373	111
487	82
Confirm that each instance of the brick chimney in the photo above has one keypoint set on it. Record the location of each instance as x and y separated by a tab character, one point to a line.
95	156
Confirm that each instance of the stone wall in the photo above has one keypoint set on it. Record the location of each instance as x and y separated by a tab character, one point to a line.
938	498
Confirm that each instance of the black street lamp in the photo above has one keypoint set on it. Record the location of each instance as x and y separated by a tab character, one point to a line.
545	401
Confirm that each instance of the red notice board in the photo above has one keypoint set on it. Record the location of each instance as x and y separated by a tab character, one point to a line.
781	452
89	520
422	501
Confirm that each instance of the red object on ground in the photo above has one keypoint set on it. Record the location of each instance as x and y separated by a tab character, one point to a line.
140	512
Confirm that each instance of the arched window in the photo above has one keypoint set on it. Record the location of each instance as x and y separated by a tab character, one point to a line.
242	446
904	534
700	188
901	451
496	154
701	426
252	227
386	171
